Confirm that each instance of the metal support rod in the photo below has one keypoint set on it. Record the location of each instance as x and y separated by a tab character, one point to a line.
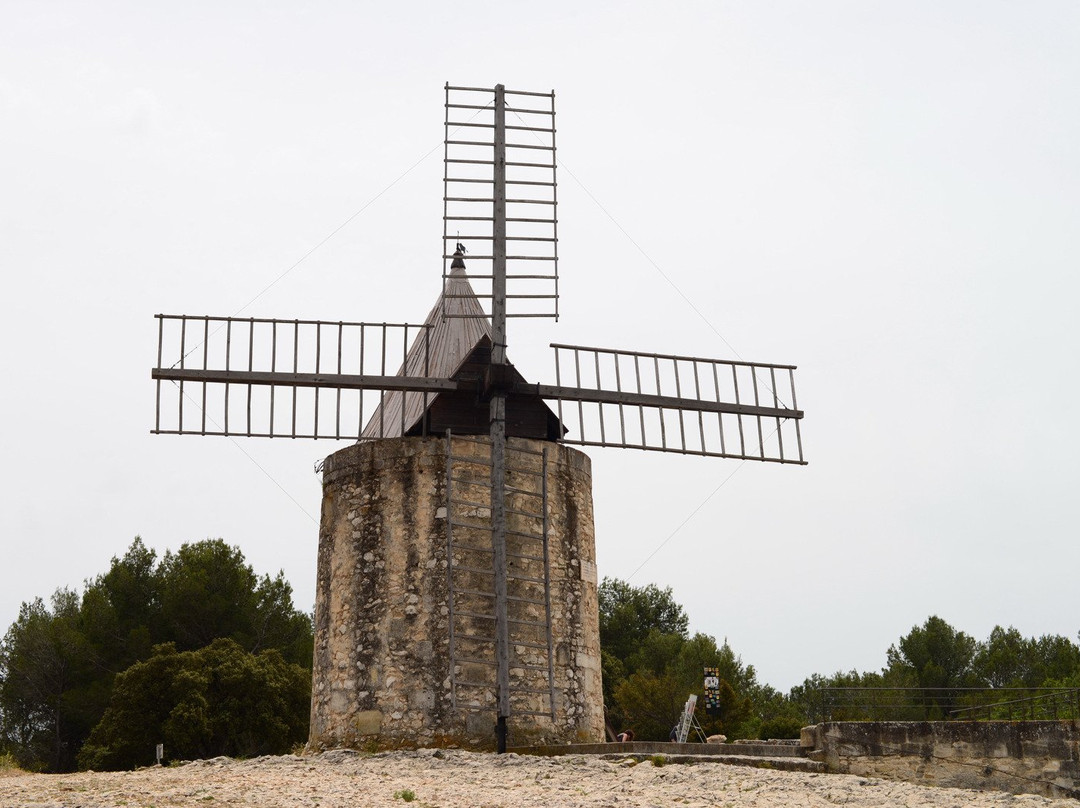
273	369
157	385
295	367
183	349
251	365
498	423
206	354
547	582
318	361
450	561
498	251
337	409
382	370
228	356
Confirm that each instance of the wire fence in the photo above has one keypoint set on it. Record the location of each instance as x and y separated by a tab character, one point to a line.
947	704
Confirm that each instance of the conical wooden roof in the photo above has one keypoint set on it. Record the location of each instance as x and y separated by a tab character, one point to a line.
458	346
456	323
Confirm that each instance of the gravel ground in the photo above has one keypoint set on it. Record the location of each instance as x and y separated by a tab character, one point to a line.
456	779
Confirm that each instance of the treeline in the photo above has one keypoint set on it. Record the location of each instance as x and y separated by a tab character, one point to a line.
929	670
194	650
651	665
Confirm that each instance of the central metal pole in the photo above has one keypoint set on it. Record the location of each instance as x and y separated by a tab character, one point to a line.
498	423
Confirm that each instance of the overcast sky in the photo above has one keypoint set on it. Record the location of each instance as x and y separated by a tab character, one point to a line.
886	195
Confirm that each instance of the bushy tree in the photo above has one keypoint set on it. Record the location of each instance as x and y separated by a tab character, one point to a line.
43	667
1056	659
669	669
1008	659
1004	660
812	703
218	700
58	661
651	664
937	657
208	591
628	614
132	589
934	655
650	704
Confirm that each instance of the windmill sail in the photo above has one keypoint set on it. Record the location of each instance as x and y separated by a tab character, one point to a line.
256	377
321	379
683	404
518	226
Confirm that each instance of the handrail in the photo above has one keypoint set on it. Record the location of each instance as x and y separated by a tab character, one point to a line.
947	703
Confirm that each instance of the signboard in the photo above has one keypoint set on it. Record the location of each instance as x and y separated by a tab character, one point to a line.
712	691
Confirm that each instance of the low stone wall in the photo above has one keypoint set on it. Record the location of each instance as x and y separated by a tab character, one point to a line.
763	756
1033	757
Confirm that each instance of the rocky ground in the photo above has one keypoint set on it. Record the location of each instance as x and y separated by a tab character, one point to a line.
455	779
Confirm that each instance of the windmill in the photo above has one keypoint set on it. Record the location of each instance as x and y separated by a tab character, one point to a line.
258	377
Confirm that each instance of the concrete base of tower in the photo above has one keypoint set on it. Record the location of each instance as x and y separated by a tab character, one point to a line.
403	627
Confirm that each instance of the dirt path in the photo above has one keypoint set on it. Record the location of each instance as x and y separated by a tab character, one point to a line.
454	779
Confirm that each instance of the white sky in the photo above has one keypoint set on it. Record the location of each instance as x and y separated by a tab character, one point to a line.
886	195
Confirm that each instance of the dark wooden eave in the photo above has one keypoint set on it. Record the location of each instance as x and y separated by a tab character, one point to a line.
466	411
457	347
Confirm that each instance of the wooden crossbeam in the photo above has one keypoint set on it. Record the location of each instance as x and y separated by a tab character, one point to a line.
338	381
432	385
560	393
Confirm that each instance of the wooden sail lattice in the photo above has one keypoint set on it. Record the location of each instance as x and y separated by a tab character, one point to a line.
266	378
518	227
687	413
257	377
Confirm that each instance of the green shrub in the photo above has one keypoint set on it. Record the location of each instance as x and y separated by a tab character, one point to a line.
219	700
784	726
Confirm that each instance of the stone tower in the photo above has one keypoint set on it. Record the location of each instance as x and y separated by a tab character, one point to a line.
401	612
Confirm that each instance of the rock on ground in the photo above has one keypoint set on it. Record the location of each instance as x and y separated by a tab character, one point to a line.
457	779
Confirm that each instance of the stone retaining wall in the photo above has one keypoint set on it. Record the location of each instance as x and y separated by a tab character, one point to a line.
1034	757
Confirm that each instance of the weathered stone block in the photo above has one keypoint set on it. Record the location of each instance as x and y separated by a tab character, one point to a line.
422	699
368	722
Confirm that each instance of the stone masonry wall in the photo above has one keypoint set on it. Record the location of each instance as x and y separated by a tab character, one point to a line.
1036	757
382	659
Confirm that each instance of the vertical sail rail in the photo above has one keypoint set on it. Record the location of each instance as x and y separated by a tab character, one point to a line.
470	575
682	404
252	377
530	212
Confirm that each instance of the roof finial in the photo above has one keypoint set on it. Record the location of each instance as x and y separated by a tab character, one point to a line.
458	262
